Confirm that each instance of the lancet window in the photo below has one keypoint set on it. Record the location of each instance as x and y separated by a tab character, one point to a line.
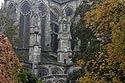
24	24
54	37
42	12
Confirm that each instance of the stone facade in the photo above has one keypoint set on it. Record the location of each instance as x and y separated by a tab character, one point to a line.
44	26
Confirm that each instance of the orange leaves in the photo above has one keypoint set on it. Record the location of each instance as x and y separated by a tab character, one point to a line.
9	63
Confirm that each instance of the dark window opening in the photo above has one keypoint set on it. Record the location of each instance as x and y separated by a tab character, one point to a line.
43	72
24	30
54	37
42	9
43	25
42	13
69	11
55	72
64	61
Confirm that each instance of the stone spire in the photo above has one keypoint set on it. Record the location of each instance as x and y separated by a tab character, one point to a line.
64	48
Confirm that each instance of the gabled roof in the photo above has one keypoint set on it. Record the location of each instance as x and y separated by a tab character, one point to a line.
60	1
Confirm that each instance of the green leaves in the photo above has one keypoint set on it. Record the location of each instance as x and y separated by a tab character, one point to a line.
27	77
84	36
108	20
8	28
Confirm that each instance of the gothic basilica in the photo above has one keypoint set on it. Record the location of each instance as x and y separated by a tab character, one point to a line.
44	27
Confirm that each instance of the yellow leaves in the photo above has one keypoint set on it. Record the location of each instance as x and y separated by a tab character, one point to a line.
102	67
84	80
102	14
89	78
80	62
122	1
116	80
123	65
109	19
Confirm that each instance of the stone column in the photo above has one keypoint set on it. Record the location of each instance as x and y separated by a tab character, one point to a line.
35	44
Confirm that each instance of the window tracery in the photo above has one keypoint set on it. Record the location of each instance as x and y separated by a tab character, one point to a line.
24	30
43	72
11	11
56	71
69	11
54	37
61	81
42	9
25	8
42	12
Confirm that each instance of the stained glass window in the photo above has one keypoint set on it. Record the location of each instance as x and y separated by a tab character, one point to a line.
42	13
42	9
69	11
25	9
54	36
43	25
24	25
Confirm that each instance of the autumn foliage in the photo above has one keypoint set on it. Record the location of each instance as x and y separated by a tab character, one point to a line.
107	20
9	63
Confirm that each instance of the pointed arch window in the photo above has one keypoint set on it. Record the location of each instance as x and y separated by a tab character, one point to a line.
42	13
54	37
69	11
11	11
24	24
42	9
43	72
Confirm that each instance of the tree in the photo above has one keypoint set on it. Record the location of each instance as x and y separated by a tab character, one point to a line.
27	77
9	63
11	70
89	45
8	28
74	76
106	19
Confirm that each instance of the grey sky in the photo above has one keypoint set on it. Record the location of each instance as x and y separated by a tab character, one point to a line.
1	1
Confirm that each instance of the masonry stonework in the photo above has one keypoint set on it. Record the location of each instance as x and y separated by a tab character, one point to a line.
44	26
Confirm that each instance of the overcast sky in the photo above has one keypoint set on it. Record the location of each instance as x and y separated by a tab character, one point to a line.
1	1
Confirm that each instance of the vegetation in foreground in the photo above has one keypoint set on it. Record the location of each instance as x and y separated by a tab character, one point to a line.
10	69
106	20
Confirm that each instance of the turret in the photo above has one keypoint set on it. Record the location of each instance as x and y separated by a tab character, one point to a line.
64	50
